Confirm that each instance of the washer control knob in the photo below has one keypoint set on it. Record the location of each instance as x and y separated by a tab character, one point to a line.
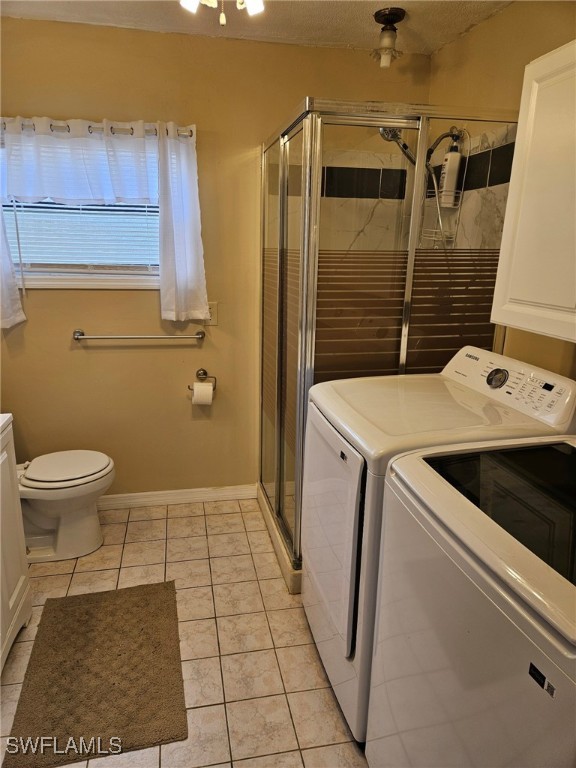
497	378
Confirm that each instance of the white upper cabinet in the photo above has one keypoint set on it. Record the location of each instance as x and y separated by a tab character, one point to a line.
536	282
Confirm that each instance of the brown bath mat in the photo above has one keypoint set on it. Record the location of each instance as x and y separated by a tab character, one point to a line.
104	673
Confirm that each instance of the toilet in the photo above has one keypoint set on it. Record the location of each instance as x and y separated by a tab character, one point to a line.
58	493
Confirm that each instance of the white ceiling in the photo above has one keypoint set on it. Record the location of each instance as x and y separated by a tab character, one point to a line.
429	24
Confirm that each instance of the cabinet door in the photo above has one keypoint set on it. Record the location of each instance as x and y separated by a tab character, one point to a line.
536	282
16	602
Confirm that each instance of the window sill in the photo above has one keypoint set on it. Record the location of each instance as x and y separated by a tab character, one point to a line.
95	282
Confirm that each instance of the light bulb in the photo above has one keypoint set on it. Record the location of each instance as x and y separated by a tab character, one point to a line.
385	58
222	19
254	6
190	5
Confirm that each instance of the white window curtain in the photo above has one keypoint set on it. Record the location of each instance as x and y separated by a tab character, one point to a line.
79	162
11	312
182	282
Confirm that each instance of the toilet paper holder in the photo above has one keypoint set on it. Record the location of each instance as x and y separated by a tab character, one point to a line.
202	374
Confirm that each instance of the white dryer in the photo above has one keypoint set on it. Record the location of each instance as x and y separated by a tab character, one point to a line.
475	643
354	428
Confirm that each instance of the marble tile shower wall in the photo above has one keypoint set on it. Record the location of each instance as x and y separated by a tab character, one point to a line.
366	197
484	180
366	201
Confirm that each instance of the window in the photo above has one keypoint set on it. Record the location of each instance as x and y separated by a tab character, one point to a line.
111	205
68	245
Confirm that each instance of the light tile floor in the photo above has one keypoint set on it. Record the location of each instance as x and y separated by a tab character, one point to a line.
256	693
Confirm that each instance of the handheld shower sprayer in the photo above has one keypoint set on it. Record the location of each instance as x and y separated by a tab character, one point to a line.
395	135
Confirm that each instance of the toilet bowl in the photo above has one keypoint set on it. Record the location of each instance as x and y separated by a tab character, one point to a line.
58	493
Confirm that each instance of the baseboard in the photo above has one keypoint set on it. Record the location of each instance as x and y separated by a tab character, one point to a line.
184	496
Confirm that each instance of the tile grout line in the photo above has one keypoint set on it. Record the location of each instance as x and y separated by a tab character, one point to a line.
224	703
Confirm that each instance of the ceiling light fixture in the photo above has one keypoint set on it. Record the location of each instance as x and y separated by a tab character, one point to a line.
386	51
252	6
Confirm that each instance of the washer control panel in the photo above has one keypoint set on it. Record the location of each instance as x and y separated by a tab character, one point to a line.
534	391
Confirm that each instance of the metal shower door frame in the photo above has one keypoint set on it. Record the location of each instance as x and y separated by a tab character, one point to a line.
284	167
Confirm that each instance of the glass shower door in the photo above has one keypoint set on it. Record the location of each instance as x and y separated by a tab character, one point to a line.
281	312
270	324
365	214
291	300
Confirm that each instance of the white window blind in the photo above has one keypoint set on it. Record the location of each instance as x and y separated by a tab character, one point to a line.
75	239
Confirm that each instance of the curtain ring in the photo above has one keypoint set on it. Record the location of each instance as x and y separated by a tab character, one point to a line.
191	133
131	130
68	127
51	127
34	127
112	131
89	129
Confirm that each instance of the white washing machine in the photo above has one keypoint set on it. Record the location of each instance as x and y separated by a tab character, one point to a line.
354	428
475	642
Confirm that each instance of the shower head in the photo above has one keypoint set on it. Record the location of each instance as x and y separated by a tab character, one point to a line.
390	134
395	135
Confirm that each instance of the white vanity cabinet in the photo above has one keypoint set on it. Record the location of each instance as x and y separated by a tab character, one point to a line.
16	605
536	282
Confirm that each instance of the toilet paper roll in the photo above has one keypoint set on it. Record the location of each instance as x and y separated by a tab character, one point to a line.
202	393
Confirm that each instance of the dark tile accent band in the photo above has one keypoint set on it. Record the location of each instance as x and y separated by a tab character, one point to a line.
476	171
393	184
367	183
501	165
352	182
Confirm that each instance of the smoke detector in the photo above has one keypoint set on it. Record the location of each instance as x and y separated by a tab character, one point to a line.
386	51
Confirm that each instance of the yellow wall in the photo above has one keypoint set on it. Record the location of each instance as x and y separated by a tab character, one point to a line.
132	402
485	69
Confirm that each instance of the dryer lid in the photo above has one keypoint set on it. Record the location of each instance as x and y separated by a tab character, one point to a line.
64	466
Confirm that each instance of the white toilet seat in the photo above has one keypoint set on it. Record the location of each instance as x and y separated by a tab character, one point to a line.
65	469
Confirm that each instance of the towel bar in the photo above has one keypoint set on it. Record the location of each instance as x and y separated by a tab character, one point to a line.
79	335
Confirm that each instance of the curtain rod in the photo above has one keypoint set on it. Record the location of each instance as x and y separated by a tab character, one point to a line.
64	127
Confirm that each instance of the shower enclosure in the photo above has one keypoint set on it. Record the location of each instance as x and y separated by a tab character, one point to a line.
366	268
